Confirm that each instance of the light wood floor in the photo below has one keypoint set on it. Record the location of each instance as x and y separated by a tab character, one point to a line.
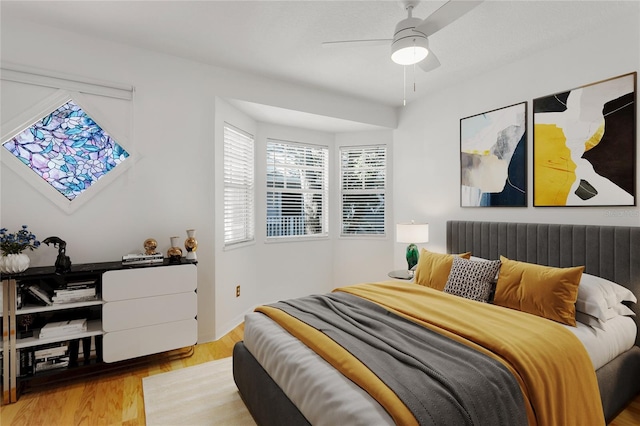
117	398
114	399
630	416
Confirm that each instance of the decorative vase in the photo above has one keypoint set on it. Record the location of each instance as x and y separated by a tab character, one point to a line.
150	246
412	256
174	253
14	263
191	245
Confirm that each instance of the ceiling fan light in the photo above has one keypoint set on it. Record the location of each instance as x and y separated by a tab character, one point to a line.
409	46
409	55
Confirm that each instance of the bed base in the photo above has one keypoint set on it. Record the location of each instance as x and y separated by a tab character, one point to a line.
266	402
269	405
618	382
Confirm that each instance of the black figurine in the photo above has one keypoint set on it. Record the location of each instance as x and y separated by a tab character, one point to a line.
63	262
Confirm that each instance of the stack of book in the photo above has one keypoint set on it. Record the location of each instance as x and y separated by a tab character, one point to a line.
55	355
78	291
26	365
142	259
40	294
63	328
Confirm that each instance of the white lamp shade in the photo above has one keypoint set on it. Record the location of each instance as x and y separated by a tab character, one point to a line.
412	233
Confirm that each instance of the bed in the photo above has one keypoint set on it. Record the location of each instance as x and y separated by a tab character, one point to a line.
604	251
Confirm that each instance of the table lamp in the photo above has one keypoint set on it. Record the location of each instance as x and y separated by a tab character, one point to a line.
412	233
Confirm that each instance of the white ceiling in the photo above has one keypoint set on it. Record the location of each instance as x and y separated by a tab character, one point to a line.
282	39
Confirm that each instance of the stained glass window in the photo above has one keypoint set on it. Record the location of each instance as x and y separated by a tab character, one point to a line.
67	149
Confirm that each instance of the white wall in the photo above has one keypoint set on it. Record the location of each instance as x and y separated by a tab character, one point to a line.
173	187
237	266
427	144
178	111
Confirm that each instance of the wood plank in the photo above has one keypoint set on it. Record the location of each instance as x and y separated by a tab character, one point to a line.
630	416
113	398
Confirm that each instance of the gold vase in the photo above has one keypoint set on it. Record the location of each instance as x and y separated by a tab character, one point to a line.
150	246
174	253
191	245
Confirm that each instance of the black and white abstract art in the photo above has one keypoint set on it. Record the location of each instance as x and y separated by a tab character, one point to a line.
493	158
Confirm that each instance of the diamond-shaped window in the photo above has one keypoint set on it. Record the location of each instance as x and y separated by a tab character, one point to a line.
67	149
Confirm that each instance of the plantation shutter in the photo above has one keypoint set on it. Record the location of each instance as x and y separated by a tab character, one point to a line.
239	220
363	180
297	189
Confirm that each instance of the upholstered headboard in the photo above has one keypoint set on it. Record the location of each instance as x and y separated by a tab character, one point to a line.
611	252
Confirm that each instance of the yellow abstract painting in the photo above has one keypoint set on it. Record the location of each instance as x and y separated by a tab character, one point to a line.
553	167
584	145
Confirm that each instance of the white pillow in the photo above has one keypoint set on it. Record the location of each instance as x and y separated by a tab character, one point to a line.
588	320
614	293
618	310
622	294
622	309
601	298
480	259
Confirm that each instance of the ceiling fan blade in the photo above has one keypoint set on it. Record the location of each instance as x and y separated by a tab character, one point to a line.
429	63
372	42
446	14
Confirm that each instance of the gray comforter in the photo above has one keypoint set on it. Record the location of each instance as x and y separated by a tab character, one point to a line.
441	381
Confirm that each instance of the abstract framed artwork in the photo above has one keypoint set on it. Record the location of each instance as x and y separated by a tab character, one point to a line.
493	158
584	145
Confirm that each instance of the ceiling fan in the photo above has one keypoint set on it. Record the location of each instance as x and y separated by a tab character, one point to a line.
410	44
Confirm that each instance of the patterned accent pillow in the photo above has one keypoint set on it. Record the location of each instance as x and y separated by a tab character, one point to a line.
472	279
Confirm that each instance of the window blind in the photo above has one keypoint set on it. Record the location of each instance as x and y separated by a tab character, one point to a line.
239	216
297	189
363	182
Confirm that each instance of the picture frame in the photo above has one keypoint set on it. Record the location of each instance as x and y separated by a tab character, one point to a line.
493	158
584	145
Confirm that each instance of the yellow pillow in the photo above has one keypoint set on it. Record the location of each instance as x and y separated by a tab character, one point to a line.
540	290
433	268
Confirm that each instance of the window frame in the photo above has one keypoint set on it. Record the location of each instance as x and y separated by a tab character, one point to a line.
246	184
323	192
42	109
384	191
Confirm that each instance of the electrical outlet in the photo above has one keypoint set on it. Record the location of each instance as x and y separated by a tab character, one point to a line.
237	291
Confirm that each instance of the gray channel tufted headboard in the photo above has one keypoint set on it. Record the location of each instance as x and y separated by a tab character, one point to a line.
611	252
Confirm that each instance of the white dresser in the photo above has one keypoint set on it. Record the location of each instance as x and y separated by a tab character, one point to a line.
148	310
137	311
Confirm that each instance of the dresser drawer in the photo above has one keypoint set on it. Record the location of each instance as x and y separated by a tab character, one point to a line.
136	342
126	314
136	283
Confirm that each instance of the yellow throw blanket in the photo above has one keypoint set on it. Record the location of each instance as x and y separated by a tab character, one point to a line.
553	368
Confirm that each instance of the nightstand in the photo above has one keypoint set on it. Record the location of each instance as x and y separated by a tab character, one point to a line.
401	274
